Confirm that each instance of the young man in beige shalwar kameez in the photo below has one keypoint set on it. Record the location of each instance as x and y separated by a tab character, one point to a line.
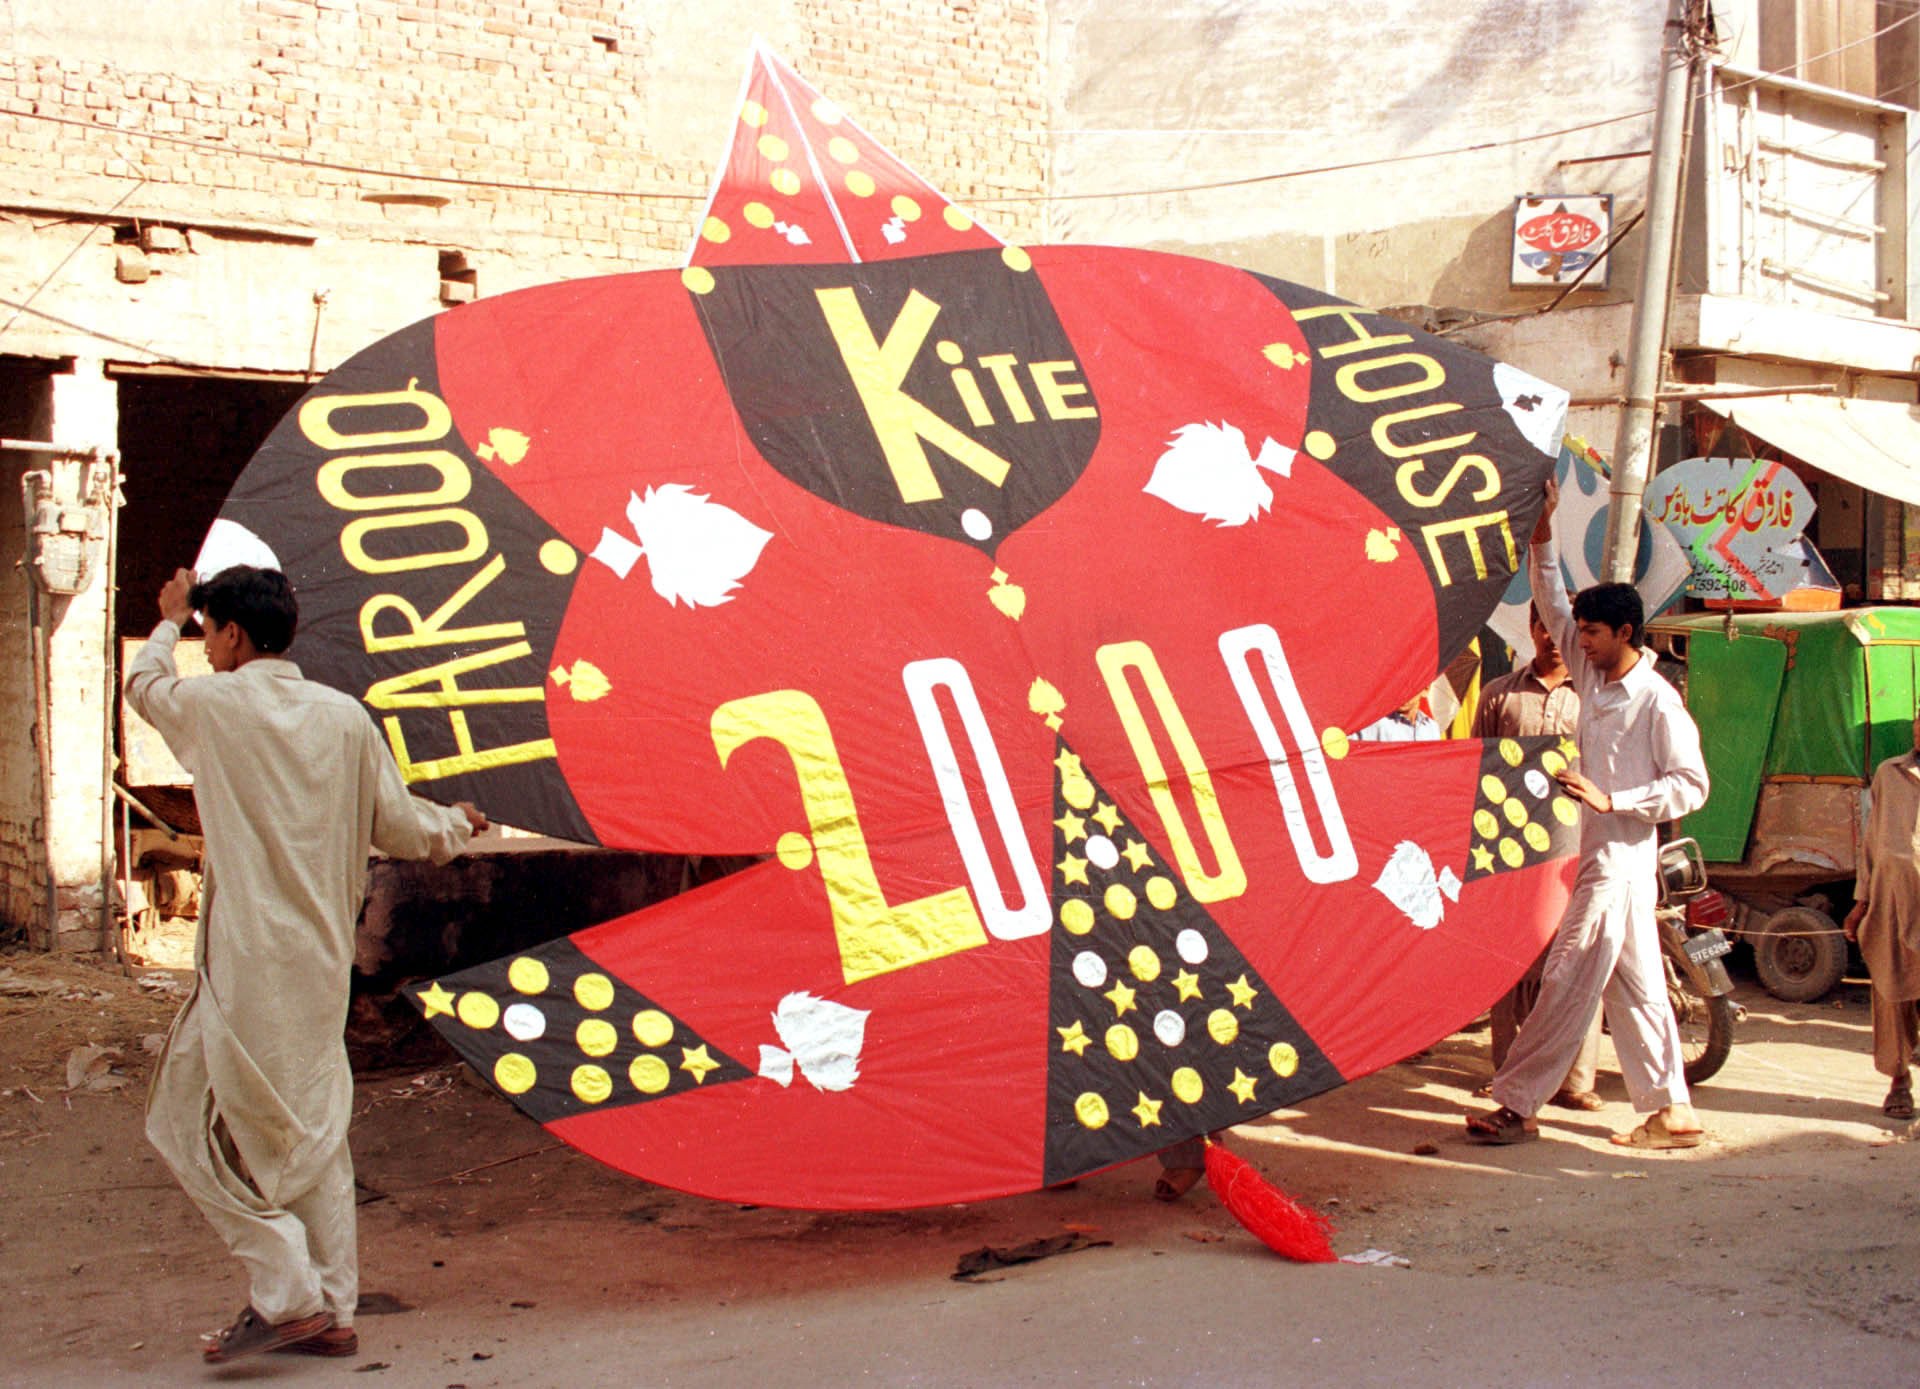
252	1095
1886	920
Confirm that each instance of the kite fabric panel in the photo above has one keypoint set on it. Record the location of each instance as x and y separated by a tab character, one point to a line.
1013	604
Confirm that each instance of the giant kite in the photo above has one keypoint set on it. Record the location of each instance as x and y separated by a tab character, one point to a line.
1013	605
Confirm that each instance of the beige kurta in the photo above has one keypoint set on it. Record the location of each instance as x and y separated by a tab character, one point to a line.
1889	880
252	1096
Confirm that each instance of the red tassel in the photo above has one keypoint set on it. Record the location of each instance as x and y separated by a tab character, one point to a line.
1275	1218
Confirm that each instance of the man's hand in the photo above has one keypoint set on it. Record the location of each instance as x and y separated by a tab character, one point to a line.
174	606
1585	791
1850	928
476	818
1543	528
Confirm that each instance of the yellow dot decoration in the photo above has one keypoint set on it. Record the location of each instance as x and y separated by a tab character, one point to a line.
842	149
785	181
1565	811
1121	902
1511	752
772	148
1319	444
860	184
1512	854
715	230
1493	788
596	1037
527	975
1515	812
558	557
754	114
593	992
592	1083
1537	838
652	1028
1076	914
1077	792
514	1073
478	1010
1187	1085
825	111
1335	743
697	278
1484	824
1161	892
905	208
1016	259
794	850
1091	1110
758	215
1123	1042
956	219
1283	1058
1144	964
1552	763
1222	1026
649	1074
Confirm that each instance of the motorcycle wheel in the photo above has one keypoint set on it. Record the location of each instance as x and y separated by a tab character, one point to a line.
1706	1028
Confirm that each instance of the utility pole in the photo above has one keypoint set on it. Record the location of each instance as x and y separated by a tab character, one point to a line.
1647	338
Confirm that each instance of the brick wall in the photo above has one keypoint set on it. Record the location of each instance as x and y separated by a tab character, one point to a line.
611	97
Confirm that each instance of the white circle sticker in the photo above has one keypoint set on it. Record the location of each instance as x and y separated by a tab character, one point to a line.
975	523
1191	945
1089	969
1537	783
524	1022
1101	851
1169	1027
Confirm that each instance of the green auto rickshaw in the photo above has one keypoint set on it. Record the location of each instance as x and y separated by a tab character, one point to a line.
1795	711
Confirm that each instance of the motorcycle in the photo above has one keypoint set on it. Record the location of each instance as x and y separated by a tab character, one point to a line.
1690	916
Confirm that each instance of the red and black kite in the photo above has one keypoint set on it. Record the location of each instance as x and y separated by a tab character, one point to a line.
1011	603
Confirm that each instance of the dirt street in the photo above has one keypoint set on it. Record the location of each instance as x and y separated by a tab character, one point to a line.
1785	1252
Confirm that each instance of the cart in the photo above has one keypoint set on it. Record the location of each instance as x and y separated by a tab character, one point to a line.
1795	711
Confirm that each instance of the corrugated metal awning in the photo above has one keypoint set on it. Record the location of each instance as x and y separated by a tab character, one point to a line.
1873	443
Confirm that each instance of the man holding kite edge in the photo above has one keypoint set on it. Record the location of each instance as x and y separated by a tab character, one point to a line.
252	1095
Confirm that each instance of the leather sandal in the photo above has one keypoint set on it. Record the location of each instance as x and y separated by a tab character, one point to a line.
252	1334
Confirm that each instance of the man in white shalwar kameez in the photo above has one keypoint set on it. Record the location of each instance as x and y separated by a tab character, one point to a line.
1639	766
252	1094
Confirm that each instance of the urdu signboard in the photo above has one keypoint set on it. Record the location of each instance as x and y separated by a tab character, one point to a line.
1557	236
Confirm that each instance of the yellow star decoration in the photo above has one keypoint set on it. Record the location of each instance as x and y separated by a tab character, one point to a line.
1188	984
1120	996
1147	1111
1068	763
1136	855
1072	826
1482	859
1242	1086
1569	749
696	1063
437	1001
1073	869
1108	817
1074	1039
1243	992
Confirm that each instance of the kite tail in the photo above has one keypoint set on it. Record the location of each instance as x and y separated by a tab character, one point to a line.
1280	1222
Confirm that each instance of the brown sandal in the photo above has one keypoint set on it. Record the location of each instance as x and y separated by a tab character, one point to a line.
253	1334
1176	1182
335	1340
1899	1102
1502	1127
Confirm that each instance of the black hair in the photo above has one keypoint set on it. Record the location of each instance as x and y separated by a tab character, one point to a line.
1616	605
260	600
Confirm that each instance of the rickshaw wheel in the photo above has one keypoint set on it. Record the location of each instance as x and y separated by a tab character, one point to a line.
1799	954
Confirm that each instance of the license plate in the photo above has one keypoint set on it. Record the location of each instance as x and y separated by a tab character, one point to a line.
1708	945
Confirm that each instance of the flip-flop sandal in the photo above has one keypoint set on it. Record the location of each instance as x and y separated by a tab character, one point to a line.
335	1340
1656	1135
253	1334
1176	1182
1502	1127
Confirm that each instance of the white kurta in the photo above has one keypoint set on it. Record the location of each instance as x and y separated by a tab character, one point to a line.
1639	745
252	1095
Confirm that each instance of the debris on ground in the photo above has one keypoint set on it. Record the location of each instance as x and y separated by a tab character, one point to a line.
1377	1258
15	986
987	1258
91	1067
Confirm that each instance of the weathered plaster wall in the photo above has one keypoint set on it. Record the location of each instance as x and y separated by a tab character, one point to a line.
1205	92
